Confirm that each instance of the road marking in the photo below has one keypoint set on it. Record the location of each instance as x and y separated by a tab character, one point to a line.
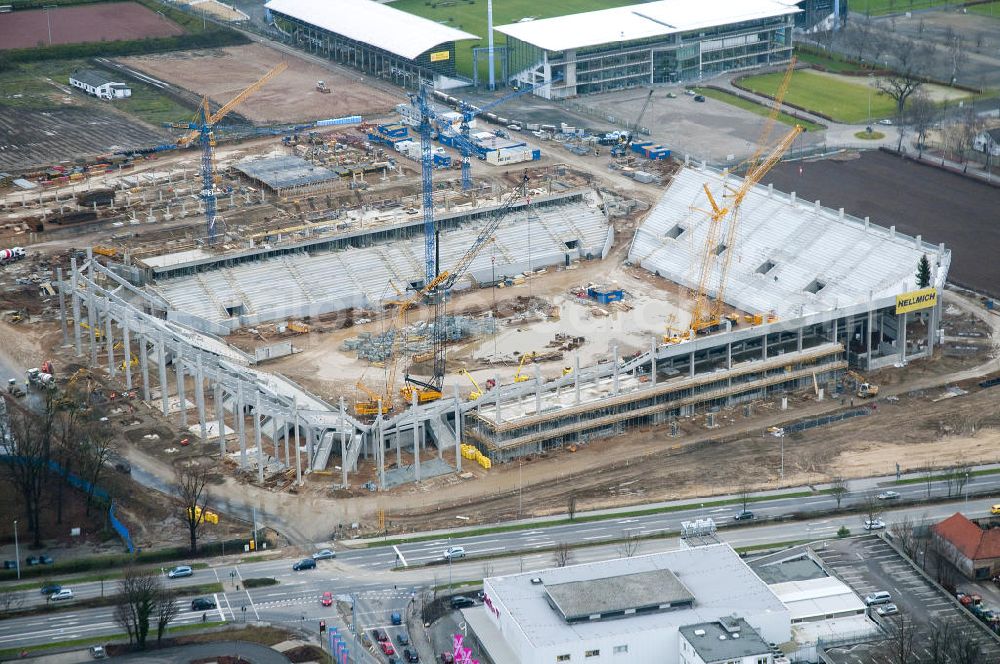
399	554
218	605
597	537
232	616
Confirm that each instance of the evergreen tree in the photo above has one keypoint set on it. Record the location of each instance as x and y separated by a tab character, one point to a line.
923	272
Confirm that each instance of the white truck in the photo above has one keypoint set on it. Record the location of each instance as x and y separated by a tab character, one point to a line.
11	255
41	380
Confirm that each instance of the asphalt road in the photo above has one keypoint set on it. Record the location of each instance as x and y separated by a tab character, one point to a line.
366	576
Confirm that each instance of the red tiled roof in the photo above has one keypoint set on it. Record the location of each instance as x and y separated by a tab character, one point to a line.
974	542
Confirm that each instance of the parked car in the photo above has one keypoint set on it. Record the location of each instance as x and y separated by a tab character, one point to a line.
379	635
51	588
62	595
180	571
885	121
745	515
699	98
454	553
305	563
887	610
888	495
403	639
461	602
671	95
387	648
38	560
410	655
326	599
874	524
10	564
878	597
202	604
396	618
324	554
97	652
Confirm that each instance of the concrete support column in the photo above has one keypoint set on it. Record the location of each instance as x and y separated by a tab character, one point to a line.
298	447
416	434
798	340
868	337
274	437
257	437
109	339
576	377
652	361
220	414
181	396
458	430
380	439
496	395
144	367
239	414
343	439
729	355
92	322
691	365
763	346
199	398
538	389
284	435
902	337
614	369
164	388
127	342
62	306
75	295
310	443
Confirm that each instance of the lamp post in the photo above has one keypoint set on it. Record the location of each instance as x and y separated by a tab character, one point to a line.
17	552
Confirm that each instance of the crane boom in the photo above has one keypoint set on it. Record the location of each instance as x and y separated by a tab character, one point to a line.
623	150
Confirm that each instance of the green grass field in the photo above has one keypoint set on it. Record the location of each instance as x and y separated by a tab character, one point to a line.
877	7
758	109
827	62
470	15
988	9
841	100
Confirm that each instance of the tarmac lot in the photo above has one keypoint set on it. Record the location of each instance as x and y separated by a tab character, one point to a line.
869	564
917	199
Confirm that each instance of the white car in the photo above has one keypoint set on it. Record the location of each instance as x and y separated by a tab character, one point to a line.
179	571
885	121
62	595
888	495
874	524
887	610
454	553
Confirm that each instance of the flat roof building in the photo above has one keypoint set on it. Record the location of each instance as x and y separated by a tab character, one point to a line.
725	641
373	37
630	608
645	44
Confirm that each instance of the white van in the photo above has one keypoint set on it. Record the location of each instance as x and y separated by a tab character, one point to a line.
880	597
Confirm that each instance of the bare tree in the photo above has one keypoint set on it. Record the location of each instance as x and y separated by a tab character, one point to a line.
97	446
138	598
571	506
838	489
910	65
965	136
921	115
958	57
901	640
165	610
10	600
561	555
965	649
487	569
629	545
929	479
30	443
192	489
872	506
939	641
745	493
904	533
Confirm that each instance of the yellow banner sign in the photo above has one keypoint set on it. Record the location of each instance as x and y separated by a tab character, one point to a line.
916	300
440	56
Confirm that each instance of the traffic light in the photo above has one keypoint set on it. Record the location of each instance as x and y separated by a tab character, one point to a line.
322	626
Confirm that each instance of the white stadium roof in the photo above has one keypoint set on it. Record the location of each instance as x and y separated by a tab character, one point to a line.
792	257
642	21
373	23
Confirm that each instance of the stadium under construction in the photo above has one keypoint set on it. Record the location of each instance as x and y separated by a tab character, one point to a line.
812	292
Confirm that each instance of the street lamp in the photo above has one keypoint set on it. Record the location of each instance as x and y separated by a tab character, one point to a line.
17	552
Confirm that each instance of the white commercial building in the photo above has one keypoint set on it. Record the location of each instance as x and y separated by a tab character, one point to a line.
629	610
98	84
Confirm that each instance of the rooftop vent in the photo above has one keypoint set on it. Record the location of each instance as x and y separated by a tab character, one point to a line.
674	232
766	267
699	632
815	287
535	581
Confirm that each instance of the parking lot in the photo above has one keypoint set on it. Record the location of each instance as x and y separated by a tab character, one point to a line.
869	564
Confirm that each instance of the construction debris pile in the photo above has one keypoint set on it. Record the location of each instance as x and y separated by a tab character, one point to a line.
418	338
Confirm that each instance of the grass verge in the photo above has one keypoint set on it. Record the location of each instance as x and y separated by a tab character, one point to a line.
108	600
842	101
87	578
879	7
829	62
869	136
942	477
757	108
13	653
260	582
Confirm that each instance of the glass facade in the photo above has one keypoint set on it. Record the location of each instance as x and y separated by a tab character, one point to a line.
674	58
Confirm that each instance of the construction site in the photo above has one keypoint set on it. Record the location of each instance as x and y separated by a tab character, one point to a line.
354	306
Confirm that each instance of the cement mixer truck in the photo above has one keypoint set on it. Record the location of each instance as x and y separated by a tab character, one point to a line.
11	255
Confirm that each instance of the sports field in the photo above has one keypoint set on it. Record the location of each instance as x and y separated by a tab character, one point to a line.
879	7
470	15
987	9
84	23
842	100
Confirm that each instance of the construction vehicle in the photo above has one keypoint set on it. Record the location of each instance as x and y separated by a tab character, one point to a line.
864	389
321	86
40	379
621	150
370	408
11	255
133	362
13	389
98	334
520	377
478	392
203	129
720	240
110	252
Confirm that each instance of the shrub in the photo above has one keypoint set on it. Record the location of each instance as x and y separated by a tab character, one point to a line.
259	582
844	532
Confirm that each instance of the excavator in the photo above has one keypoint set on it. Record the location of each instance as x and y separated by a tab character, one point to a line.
478	392
370	408
865	390
522	377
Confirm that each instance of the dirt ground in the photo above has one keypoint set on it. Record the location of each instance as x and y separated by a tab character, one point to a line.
88	23
289	97
916	199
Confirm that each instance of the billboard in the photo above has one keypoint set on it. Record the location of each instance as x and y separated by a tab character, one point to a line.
916	300
440	56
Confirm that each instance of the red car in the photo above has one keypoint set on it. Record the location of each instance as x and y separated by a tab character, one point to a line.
387	648
326	599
